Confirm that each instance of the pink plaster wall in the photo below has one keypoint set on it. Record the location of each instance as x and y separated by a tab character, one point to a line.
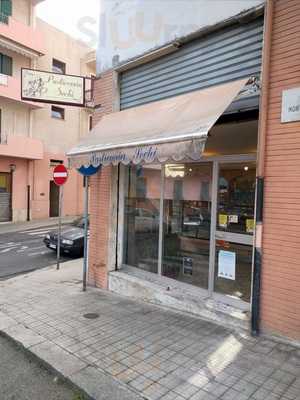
22	147
10	88
73	189
23	35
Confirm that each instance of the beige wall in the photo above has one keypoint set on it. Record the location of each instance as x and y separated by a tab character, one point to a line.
22	11
59	135
14	118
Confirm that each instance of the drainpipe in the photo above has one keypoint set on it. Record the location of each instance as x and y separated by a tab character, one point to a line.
262	130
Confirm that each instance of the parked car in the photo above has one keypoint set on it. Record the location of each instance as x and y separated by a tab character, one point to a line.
72	239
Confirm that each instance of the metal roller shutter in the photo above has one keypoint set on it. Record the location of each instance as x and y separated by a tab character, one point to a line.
5	209
223	56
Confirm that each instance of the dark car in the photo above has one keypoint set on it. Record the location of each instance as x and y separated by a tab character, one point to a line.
72	239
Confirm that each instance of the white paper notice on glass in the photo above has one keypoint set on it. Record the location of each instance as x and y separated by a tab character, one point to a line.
226	267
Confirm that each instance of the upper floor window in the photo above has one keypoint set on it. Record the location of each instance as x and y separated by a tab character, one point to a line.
57	112
58	66
5	10
6	65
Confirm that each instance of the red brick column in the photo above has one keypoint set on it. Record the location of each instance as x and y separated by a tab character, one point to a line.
280	295
100	192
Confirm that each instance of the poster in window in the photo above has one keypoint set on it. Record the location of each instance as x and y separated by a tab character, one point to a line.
250	224
227	265
223	220
187	266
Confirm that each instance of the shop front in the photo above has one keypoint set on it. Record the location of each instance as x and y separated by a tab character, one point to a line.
193	222
185	192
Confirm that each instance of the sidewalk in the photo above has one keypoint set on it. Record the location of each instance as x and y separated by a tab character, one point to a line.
11	227
133	350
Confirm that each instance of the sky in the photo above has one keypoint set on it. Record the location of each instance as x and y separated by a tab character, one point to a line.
77	18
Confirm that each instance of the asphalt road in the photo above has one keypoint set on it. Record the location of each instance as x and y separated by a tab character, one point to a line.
23	378
25	251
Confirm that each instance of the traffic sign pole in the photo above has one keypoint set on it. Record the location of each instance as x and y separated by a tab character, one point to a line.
59	226
86	217
60	176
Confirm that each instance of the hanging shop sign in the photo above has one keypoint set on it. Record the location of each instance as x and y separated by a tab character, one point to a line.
290	105
54	88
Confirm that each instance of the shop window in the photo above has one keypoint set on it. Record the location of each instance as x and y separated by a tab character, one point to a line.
5	179
58	66
141	226
58	112
184	194
186	220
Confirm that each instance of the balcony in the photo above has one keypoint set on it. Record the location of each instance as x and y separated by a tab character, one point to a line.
21	147
20	37
10	88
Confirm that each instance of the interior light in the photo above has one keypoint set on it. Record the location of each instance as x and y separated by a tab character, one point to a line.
246	168
191	170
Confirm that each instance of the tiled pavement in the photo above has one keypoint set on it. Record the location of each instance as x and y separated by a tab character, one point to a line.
159	353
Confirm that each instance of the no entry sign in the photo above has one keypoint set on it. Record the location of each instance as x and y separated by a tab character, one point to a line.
60	175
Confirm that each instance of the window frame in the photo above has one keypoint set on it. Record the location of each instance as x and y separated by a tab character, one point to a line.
60	67
59	110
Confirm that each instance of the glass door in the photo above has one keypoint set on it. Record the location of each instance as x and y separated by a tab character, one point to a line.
187	222
233	255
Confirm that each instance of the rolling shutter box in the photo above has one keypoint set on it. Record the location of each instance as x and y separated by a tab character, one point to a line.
226	55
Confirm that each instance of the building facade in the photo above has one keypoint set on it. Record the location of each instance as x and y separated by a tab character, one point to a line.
212	231
34	137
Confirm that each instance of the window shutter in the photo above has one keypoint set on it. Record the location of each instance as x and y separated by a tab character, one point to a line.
6	7
6	65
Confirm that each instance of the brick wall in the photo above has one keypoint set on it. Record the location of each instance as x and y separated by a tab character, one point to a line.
100	189
280	312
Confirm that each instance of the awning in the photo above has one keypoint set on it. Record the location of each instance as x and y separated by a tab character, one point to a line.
167	130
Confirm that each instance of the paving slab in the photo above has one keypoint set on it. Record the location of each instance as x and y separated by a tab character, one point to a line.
133	350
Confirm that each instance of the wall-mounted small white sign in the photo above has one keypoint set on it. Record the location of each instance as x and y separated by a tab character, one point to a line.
290	111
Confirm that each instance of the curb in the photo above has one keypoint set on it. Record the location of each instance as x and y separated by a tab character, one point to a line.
93	383
43	363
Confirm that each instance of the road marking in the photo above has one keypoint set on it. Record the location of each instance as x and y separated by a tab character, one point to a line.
40	253
39	230
23	248
26	248
41	234
6	250
9	244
